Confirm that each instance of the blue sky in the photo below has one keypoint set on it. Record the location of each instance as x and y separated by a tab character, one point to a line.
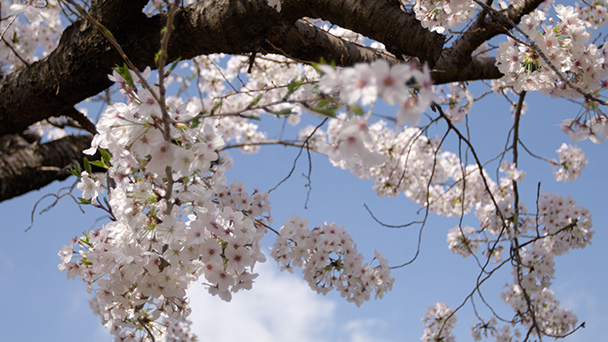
40	304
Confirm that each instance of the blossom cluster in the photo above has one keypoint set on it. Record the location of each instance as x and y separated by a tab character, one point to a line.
437	15
353	145
593	13
29	31
459	101
421	171
565	225
594	129
459	241
551	318
405	161
561	226
399	84
329	259
563	44
571	163
439	321
174	219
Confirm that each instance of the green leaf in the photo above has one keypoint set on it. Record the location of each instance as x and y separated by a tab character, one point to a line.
105	156
124	72
87	165
106	31
331	111
216	106
322	103
294	85
197	119
356	109
286	111
157	57
252	117
99	163
256	100
83	201
75	170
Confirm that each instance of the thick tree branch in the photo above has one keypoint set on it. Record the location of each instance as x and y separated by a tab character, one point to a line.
78	68
35	166
309	43
458	56
381	20
493	25
478	68
54	85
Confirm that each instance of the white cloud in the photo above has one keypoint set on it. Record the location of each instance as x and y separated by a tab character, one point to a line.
361	330
280	307
588	309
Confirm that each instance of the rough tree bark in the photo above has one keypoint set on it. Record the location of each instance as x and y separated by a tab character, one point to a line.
78	67
35	166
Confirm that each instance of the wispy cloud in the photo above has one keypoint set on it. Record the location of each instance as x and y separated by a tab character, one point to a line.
362	330
280	307
589	310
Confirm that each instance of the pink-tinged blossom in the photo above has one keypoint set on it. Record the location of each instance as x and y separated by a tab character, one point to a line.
329	259
148	105
409	111
579	131
437	15
330	80
90	187
354	145
599	125
358	83
564	44
211	252
459	102
439	321
221	279
244	281
65	254
32	13
571	163
513	174
161	156
460	242
205	154
238	259
390	80
170	230
593	13
184	158
146	140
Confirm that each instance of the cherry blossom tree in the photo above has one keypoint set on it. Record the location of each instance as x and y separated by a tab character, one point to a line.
155	158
